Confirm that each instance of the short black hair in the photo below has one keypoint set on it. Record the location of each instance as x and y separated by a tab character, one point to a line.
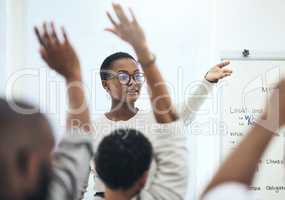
107	63
122	158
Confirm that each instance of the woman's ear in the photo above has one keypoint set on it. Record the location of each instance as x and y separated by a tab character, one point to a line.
105	85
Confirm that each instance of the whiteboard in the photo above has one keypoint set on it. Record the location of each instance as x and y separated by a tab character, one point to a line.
243	98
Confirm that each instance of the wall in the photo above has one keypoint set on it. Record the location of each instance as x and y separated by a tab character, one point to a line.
254	24
3	12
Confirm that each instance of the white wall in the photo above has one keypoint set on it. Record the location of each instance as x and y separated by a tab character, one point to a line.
3	13
15	42
252	24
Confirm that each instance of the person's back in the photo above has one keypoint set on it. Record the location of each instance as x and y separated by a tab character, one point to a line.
123	163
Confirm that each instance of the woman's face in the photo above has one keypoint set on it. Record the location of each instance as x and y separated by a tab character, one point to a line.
122	85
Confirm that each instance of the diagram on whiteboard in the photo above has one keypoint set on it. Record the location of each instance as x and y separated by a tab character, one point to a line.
243	99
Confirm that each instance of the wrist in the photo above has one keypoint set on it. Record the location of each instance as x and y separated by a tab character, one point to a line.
210	81
73	77
144	55
140	46
269	123
150	61
141	49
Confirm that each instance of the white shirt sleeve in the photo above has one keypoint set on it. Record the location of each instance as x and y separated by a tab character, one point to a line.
71	166
171	153
229	191
188	109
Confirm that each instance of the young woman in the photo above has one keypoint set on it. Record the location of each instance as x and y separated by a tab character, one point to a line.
122	78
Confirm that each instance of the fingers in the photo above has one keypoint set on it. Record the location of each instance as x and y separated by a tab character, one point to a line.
53	34
43	37
46	34
66	40
40	39
47	37
111	19
226	70
223	64
120	13
134	19
111	31
225	74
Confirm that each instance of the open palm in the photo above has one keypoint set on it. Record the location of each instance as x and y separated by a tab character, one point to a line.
59	55
128	30
218	72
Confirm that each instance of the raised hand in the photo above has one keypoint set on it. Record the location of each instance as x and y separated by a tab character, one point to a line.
59	55
128	30
218	72
131	32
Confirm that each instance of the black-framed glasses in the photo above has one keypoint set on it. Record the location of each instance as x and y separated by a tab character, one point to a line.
125	78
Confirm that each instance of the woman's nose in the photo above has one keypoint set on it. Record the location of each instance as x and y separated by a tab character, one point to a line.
132	81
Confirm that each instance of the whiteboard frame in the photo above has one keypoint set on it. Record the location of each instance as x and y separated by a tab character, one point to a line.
238	56
254	55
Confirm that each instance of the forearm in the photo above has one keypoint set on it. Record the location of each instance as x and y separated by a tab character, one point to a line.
71	166
78	114
61	57
170	181
192	103
242	163
160	98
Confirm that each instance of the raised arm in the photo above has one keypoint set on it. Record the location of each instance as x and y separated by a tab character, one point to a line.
170	146
188	109
75	151
131	32
61	57
240	166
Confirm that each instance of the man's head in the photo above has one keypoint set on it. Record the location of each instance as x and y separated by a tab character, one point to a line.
115	76
26	143
123	160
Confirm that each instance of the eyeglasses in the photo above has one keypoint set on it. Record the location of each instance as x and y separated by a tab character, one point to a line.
125	78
